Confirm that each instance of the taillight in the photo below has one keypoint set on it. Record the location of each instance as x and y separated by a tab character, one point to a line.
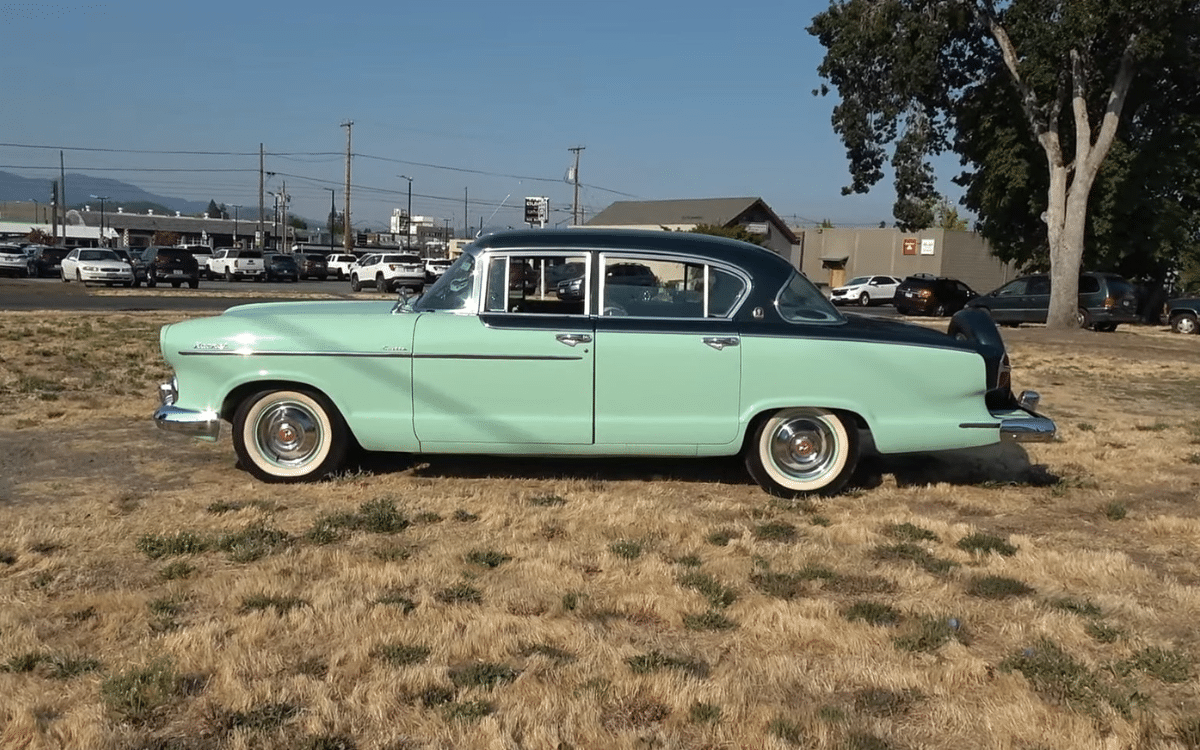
1109	303
924	294
1004	376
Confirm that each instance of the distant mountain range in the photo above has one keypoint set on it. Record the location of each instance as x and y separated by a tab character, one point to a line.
81	188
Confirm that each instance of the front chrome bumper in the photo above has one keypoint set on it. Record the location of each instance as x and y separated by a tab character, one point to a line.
202	425
1023	424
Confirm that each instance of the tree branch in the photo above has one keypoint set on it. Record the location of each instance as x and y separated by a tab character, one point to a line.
1116	102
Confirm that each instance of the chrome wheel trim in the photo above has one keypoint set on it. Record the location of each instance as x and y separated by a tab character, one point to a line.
804	449
1185	324
288	434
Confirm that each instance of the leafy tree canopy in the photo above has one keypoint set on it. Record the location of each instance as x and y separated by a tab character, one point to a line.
1077	121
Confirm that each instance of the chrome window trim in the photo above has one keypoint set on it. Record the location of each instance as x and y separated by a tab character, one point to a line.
506	254
666	257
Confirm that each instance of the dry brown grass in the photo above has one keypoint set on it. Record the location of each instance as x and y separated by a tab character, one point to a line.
462	602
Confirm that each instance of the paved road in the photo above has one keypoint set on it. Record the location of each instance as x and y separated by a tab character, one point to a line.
53	294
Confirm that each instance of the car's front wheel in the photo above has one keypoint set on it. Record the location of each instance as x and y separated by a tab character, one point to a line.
1185	323
355	285
289	436
864	299
803	451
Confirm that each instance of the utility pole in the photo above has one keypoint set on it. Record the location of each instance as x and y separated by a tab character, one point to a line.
259	241
62	191
54	213
287	248
575	179
347	238
466	221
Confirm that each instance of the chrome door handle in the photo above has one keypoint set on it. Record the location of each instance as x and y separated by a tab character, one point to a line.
571	339
720	342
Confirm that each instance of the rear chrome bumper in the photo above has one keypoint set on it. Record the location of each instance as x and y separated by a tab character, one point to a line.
1023	424
202	425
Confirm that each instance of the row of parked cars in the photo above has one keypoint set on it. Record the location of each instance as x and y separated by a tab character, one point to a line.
1105	299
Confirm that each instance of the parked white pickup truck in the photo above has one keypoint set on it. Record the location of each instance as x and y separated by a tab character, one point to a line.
233	263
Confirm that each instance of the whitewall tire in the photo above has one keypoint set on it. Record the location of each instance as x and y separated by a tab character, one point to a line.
289	436
803	451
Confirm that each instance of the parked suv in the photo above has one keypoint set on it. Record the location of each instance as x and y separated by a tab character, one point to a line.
1184	314
173	265
925	294
1105	300
388	272
280	267
339	264
312	266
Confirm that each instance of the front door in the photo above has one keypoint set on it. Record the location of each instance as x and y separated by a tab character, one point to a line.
519	373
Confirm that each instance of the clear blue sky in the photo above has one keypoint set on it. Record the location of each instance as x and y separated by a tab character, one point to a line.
671	100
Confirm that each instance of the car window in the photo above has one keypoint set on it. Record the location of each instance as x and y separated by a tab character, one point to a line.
800	302
857	280
454	290
1013	288
521	283
1039	285
1088	285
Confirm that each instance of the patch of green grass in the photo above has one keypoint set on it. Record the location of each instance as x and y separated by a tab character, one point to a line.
1155	427
1061	679
401	654
1103	633
717	593
81	615
819	520
164	612
53	666
547	501
1085	427
689	561
626	548
139	694
1163	665
571	600
460	593
176	571
264	718
1081	607
487	558
1193	458
884	702
654	661
789	585
928	633
775	531
393	553
378	516
26	662
704	713
254	542
7	557
484	675
464	516
722	537
908	532
859	740
399	599
911	553
468	710
428	517
984	543
157	546
710	620
323	531
281	604
554	653
787	730
997	587
328	742
872	613
1188	732
1115	511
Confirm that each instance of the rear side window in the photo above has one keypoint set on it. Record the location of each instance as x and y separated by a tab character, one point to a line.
1088	285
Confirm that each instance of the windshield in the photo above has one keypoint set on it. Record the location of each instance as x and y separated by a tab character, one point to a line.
98	255
800	302
453	290
857	281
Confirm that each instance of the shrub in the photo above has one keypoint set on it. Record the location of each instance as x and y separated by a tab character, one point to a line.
984	543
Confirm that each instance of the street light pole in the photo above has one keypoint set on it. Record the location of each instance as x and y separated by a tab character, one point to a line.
102	198
235	208
332	216
35	210
408	221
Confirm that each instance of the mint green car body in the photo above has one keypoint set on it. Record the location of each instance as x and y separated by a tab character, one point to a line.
541	376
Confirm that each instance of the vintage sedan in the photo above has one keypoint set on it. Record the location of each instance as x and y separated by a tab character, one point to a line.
732	352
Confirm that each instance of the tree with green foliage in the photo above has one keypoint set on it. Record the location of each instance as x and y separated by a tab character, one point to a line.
735	233
1060	109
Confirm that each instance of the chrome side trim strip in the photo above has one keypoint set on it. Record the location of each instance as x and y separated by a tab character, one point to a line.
243	353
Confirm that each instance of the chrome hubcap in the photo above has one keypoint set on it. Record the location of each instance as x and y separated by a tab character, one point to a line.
288	434
803	448
1186	325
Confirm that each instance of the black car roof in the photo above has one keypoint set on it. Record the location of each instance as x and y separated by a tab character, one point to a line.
755	259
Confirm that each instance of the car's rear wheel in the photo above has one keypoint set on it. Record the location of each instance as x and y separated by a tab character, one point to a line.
228	276
175	284
864	299
194	283
289	436
380	284
1105	327
1082	318
63	275
1185	323
802	451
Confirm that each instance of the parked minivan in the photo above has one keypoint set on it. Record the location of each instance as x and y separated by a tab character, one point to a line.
1105	300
